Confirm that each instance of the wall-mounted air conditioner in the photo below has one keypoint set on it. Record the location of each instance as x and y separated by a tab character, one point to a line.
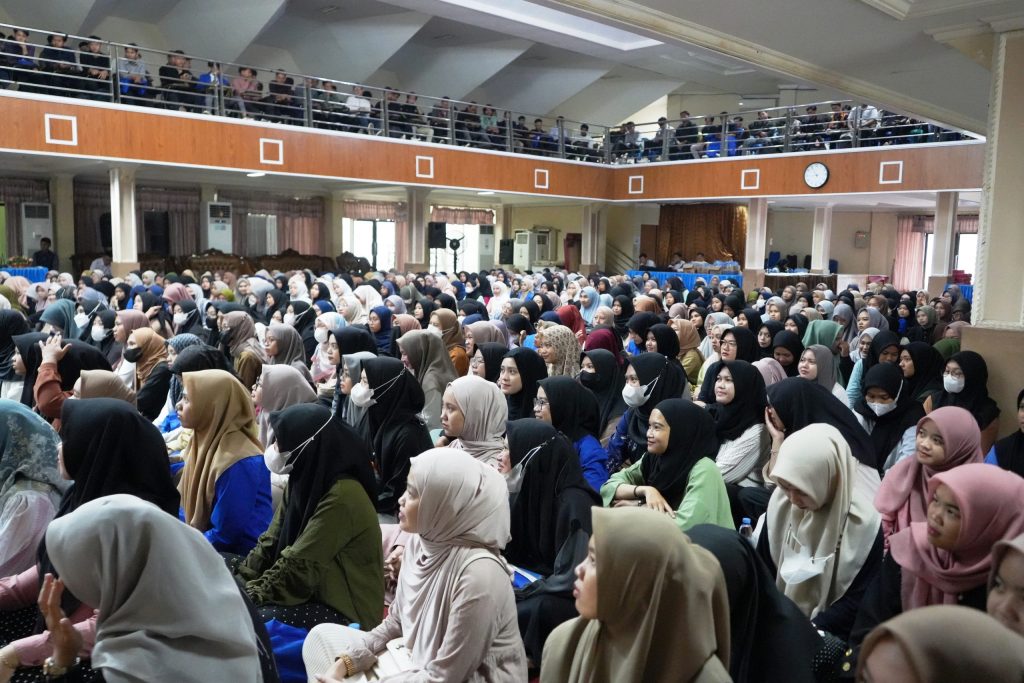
218	233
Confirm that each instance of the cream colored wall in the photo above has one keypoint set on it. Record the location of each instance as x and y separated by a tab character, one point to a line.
790	232
564	218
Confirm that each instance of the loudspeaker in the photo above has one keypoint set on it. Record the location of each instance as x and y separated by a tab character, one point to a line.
506	250
437	235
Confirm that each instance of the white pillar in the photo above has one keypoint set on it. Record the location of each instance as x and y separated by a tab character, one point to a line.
62	194
415	241
757	234
821	238
942	242
124	239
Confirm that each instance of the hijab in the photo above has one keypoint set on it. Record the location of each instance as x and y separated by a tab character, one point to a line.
667	340
888	429
753	320
689	337
791	342
155	583
429	359
843	528
848	330
691	437
823	332
825	362
1009	451
569	316
653	584
799	403
486	413
622	321
974	396
11	323
61	314
28	455
240	336
451	330
574	410
531	370
224	432
104	384
492	354
397	400
154	351
486	331
567	351
608	339
283	387
771	371
990	511
771	640
663	380
606	383
746	408
27	346
928	367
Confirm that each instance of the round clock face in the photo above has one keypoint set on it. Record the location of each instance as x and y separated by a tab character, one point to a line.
816	175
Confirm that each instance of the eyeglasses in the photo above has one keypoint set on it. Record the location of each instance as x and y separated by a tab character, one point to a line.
731	343
541	402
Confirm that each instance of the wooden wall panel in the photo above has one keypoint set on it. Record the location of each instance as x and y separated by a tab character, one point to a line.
96	130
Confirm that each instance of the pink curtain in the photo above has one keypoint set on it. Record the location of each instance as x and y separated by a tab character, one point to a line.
384	211
13	192
462	215
908	271
300	222
967	225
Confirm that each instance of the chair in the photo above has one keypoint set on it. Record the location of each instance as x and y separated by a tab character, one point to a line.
349	262
213	260
289	260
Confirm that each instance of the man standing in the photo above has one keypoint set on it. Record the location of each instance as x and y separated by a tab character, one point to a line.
44	258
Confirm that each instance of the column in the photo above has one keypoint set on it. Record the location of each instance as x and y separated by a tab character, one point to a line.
757	239
588	229
942	242
122	221
412	246
334	212
821	238
62	194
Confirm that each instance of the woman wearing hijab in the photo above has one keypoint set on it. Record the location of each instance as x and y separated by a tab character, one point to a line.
283	346
738	412
28	356
30	484
787	349
676	475
473	417
393	400
279	387
947	559
819	364
771	640
481	332
929	328
1008	452
571	409
187	319
603	373
486	361
239	342
379	323
60	316
1006	580
11	323
225	485
454	608
965	384
822	536
60	364
106	448
662	339
148	352
888	414
922	370
301	315
101	335
560	351
446	322
706	347
102	384
425	354
320	560
652	583
689	355
149	593
737	343
521	370
343	406
639	324
623	310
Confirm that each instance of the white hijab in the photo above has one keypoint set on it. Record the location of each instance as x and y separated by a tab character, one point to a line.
368	296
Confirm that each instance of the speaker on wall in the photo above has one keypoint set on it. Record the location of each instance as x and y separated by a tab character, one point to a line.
506	250
437	235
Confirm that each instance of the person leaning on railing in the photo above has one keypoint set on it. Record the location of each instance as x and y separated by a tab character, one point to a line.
59	63
95	69
136	84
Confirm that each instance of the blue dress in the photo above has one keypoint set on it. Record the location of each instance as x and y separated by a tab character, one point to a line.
242	507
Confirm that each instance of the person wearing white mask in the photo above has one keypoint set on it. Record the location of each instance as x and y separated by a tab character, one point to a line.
889	414
965	385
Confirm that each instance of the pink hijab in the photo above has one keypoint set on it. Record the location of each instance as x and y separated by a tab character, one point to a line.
903	496
989	498
176	292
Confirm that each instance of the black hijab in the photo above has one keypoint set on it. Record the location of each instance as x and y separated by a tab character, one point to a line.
483	285
109	347
192	324
881	341
789	341
335	452
641	323
889	428
446	301
772	641
746	343
669	382
747	406
606	385
928	367
126	302
801	323
1010	450
622	321
753	317
32	356
667	340
574	410
79	356
691	437
773	327
553	498
798	403
492	353
532	310
532	370
280	300
518	323
352	339
974	397
12	323
471	306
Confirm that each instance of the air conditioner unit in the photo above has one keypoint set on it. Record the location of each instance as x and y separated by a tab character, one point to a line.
36	223
524	252
218	231
485	248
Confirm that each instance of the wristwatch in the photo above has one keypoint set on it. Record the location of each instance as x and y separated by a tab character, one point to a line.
53	670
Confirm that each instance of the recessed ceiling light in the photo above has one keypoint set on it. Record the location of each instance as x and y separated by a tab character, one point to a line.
255	174
485	192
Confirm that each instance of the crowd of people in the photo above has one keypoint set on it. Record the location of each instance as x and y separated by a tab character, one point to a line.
96	70
293	476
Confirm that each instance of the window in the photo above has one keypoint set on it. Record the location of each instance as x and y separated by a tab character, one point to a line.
966	252
261	234
374	240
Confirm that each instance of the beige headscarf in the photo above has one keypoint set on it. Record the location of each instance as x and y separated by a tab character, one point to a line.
651	584
951	643
817	460
567	351
224	427
429	359
166	600
463	510
451	330
154	351
283	386
486	412
485	331
689	338
104	384
243	335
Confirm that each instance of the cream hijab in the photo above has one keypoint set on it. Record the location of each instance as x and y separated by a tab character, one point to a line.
104	384
166	599
486	412
283	386
817	460
224	427
662	609
463	510
567	351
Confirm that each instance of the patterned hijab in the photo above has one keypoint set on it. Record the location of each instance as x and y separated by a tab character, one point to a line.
566	350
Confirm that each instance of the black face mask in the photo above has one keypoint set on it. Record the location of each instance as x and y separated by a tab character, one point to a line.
590	380
225	337
211	322
133	355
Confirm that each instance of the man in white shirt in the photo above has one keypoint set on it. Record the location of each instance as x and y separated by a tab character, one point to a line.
359	108
865	119
101	264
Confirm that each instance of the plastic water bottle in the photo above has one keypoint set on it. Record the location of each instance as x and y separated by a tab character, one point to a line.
746	530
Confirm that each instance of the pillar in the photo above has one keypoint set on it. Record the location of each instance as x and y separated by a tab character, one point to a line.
940	268
757	239
62	194
412	247
124	238
821	238
334	212
590	228
997	332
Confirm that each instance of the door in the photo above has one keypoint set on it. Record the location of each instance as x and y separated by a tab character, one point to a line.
572	249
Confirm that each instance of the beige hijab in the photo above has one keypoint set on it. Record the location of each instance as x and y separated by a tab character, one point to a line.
283	386
165	598
567	351
243	335
429	359
817	460
662	609
224	427
486	412
104	384
463	510
485	331
154	351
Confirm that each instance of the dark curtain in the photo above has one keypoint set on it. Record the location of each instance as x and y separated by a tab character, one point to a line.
13	192
718	230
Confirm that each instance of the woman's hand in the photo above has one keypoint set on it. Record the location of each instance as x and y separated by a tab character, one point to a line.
9	663
66	641
153	312
393	563
655	501
442	441
778	435
52	351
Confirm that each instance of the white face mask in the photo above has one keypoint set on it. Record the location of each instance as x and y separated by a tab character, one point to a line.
81	319
180	318
289	318
880	409
362	396
434	331
802	566
276	461
953	385
636	396
320	334
99	333
514	477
